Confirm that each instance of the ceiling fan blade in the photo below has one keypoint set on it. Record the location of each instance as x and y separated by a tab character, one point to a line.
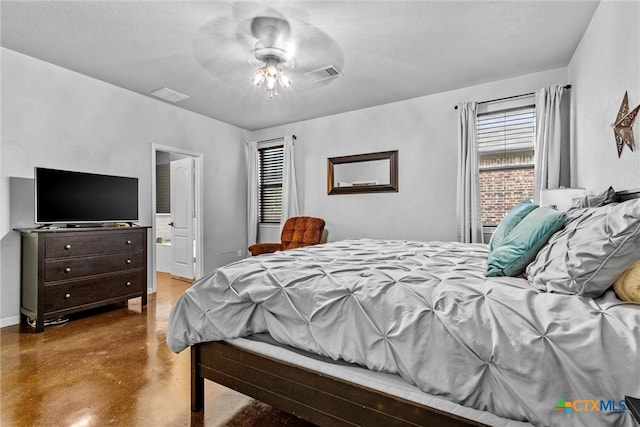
314	49
221	49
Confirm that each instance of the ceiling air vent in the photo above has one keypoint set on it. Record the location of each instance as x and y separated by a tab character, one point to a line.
324	73
169	95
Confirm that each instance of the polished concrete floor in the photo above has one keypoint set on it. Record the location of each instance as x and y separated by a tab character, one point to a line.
110	368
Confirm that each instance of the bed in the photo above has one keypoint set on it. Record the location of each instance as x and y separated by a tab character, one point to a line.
373	332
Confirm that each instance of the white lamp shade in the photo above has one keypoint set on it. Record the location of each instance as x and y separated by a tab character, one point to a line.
560	197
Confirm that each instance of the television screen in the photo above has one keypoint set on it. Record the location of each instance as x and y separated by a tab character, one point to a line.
77	197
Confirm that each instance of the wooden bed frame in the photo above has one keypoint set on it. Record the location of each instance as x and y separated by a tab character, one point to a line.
311	395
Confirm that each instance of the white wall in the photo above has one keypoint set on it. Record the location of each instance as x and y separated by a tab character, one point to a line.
604	66
423	130
53	117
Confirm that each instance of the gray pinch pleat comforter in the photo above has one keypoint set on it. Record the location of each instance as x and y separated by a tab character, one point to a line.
427	312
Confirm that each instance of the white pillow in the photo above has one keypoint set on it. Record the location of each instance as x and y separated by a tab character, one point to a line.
593	249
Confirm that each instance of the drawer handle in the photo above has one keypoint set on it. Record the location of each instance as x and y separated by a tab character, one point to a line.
128	242
67	296
67	270
128	283
128	261
67	247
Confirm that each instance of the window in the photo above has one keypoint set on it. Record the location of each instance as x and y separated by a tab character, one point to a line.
271	160
506	141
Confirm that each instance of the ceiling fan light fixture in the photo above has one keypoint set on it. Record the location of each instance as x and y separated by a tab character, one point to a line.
272	69
285	80
276	62
258	77
271	88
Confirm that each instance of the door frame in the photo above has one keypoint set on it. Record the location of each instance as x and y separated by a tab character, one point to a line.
198	220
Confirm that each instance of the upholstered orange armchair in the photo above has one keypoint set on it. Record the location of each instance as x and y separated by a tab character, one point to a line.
298	231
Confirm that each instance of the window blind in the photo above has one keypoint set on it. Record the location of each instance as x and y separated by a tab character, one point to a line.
507	131
270	183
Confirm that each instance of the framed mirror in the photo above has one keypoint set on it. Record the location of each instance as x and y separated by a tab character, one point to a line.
363	173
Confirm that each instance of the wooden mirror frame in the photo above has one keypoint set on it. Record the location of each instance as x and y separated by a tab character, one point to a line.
392	156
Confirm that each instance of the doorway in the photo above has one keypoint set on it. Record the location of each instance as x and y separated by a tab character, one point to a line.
177	212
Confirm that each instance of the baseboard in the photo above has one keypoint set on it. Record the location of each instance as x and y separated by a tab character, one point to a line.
9	321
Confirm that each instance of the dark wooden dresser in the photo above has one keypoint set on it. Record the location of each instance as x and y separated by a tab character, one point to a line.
69	270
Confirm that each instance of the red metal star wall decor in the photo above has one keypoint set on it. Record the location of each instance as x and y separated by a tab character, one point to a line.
622	127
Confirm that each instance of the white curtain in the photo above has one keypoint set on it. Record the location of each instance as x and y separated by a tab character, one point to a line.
550	162
251	158
468	215
290	206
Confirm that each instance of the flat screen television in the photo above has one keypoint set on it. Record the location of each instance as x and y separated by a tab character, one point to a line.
68	197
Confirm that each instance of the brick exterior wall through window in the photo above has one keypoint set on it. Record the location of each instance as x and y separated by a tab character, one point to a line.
502	189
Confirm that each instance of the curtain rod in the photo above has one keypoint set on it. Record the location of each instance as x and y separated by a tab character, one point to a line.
277	139
510	97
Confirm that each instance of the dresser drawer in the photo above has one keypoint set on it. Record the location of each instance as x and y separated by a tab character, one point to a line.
73	268
84	292
81	244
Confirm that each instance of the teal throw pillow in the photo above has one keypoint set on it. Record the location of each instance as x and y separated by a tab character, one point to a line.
522	244
511	219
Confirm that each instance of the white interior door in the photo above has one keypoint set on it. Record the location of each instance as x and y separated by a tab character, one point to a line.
182	247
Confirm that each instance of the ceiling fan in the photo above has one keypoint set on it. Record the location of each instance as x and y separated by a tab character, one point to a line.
273	48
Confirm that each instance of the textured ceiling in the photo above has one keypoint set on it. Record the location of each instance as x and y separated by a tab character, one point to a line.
388	50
